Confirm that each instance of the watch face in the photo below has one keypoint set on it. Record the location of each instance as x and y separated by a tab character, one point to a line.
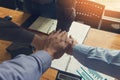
67	76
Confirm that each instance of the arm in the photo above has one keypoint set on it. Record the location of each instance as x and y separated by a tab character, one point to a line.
108	56
25	67
103	60
32	67
12	32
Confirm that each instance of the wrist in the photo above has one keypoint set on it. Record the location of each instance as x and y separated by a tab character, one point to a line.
51	52
70	47
35	39
38	42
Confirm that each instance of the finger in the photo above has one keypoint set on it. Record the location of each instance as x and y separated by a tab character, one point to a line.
70	37
68	49
61	34
57	33
74	42
65	36
69	41
53	32
64	45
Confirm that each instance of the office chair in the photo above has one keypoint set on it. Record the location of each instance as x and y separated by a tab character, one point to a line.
89	13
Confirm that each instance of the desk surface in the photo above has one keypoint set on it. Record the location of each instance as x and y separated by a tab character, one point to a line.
99	38
94	38
17	16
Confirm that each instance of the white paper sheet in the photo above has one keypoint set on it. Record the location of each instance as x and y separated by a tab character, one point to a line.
78	31
77	68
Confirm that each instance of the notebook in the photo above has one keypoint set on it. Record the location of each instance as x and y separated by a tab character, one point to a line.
45	25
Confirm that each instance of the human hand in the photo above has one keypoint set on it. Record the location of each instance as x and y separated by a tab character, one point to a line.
71	43
56	43
38	42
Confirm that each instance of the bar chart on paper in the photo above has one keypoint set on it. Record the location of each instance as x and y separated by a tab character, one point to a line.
87	74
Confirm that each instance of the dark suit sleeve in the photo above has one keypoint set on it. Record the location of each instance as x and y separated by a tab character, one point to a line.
11	32
65	14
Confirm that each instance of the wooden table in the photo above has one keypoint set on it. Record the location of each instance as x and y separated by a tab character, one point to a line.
94	38
99	38
18	17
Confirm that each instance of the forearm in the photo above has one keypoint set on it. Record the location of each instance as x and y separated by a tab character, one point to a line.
16	35
108	56
12	32
99	59
25	67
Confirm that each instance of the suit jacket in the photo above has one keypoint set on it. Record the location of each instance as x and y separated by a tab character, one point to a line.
12	32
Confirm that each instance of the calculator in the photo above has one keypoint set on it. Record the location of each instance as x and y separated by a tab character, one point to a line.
67	76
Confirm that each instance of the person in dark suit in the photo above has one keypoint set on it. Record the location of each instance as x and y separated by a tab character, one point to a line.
62	10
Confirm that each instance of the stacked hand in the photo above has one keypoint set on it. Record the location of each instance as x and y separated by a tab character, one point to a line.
71	44
38	42
56	44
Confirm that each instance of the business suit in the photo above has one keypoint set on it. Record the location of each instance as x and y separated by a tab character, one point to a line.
62	10
12	32
41	9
